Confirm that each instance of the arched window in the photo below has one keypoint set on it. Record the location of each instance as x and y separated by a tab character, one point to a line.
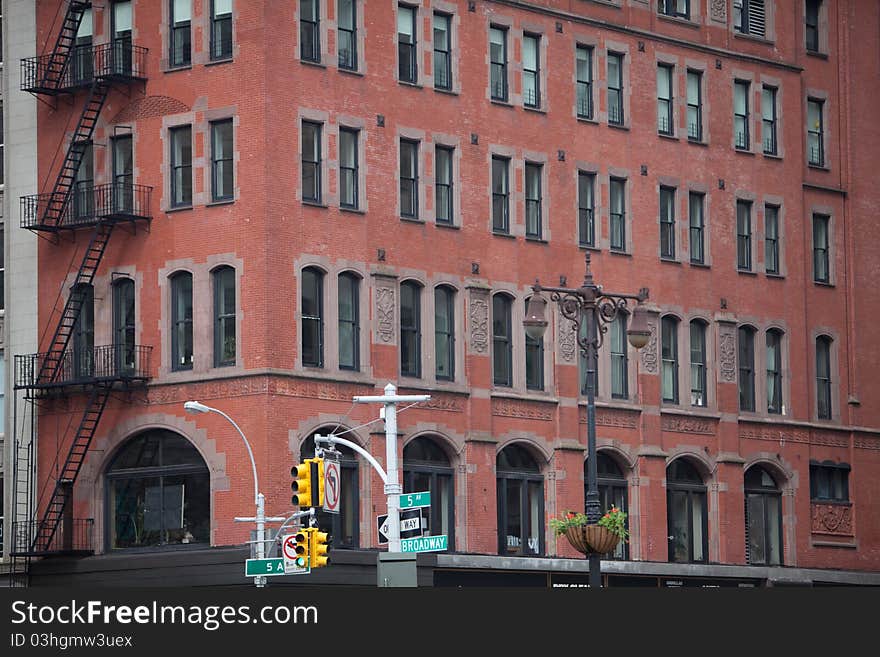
774	371
84	333
312	309
224	316
687	516
343	527
520	487
426	467
763	502
612	491
669	344
534	361
444	332
410	329
502	341
181	321
698	363
349	321
124	326
823	377
158	493
746	361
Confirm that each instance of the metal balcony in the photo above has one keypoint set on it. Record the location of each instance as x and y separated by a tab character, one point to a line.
74	536
106	364
87	205
120	61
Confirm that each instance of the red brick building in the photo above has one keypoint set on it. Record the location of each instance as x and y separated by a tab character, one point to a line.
271	207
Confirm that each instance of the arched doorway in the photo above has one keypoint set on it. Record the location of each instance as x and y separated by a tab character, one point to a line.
343	527
763	502
158	491
687	515
520	487
426	467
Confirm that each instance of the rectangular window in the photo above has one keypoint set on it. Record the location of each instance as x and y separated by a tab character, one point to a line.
669	355
531	70
584	65
221	161
310	30
409	179
821	261
815	133
442	48
312	308
410	330
181	322
500	195
498	62
2	267
619	364
348	168
664	100
618	214
407	70
221	29
311	162
346	40
698	363
829	483
181	37
811	19
443	156
741	114
349	322
695	105
667	222
502	362
224	316
768	119
749	17
746	360
823	377
534	363
586	224
744	235
677	8
181	166
771	239
533	200
696	228
774	371
444	333
122	193
615	88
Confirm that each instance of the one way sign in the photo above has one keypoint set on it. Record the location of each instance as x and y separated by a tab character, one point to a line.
413	523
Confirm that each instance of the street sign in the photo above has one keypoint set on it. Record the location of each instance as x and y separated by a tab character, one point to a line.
332	485
410	500
263	567
425	544
288	550
413	522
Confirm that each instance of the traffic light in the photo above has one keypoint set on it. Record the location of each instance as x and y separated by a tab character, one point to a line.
303	541
319	548
308	483
302	483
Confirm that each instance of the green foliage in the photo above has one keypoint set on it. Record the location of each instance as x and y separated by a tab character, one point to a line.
614	520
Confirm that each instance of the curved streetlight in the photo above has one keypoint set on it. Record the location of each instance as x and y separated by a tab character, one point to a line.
197	408
592	307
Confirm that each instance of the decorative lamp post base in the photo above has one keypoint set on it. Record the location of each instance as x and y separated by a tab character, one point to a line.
592	539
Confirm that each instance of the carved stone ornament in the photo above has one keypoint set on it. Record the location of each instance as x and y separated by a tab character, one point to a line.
520	409
718	10
683	424
649	353
479	325
727	354
606	417
385	313
567	342
832	519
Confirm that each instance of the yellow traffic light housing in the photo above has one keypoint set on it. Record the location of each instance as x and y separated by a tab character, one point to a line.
303	543
302	484
318	482
319	549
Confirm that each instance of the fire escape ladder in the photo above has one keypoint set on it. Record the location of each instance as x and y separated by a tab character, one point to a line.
79	447
53	214
59	59
51	365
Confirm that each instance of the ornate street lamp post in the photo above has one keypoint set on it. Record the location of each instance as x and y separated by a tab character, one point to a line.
593	308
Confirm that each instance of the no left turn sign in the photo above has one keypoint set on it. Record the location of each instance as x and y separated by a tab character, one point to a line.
332	486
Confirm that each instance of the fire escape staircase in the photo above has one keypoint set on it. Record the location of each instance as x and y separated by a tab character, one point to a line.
50	372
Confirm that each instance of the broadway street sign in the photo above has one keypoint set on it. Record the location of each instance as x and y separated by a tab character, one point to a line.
425	544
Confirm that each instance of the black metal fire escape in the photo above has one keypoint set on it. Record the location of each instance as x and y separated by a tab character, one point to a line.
46	527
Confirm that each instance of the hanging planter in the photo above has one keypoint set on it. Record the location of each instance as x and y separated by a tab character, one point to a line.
592	539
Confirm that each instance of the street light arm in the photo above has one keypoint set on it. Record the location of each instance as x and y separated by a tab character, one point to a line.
246	444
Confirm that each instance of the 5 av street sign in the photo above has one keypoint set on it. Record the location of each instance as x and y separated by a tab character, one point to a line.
410	500
263	567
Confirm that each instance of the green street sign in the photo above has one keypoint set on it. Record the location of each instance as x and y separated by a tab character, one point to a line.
424	544
410	500
263	567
